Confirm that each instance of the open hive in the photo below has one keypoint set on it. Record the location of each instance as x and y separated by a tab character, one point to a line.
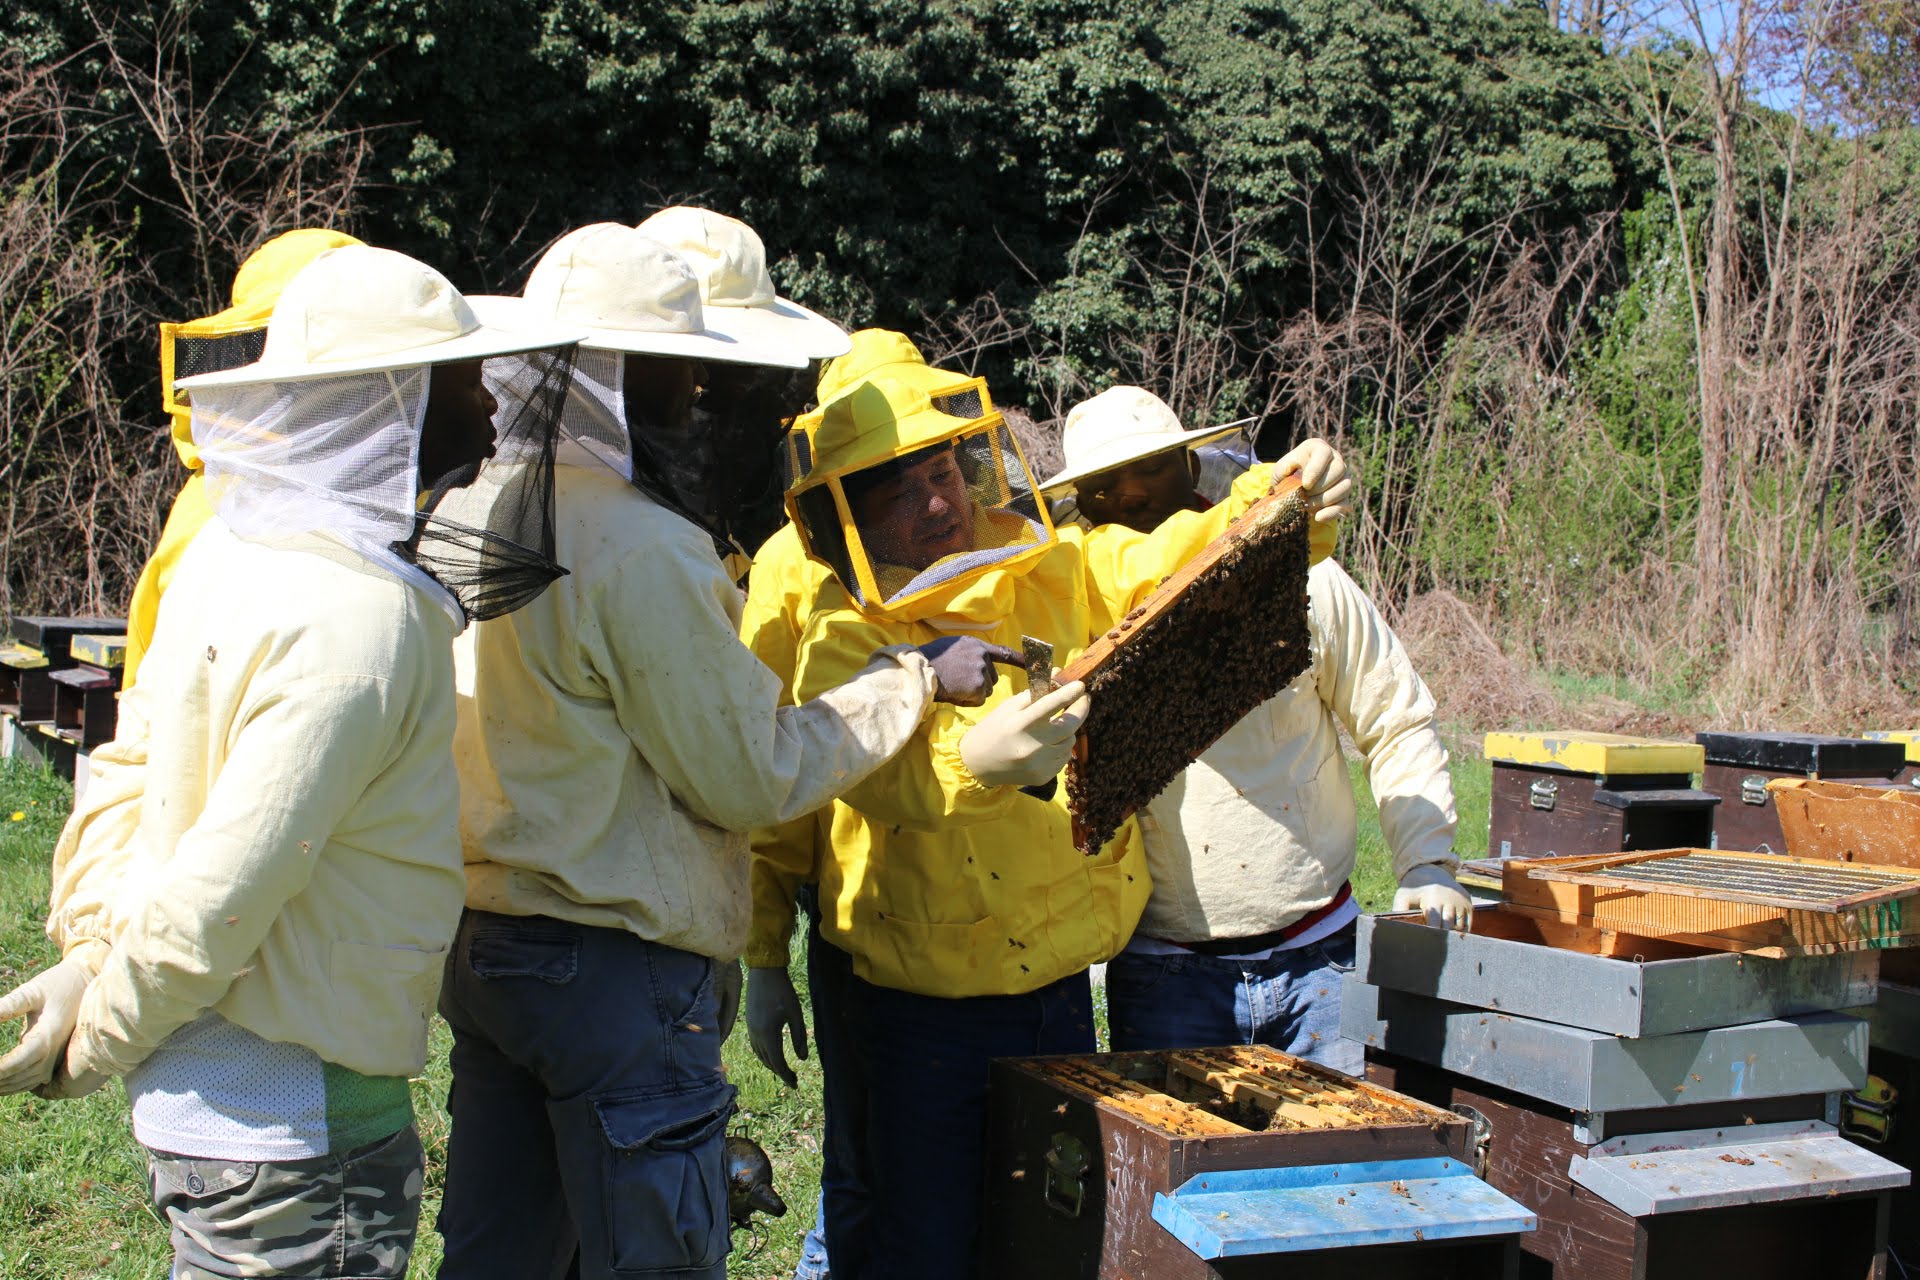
1220	636
1235	1090
1762	904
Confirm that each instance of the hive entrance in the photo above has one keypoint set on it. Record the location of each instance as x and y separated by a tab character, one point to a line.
1218	638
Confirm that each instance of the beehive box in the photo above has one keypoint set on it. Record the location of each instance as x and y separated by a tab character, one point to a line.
1615	983
1909	739
1603	893
1533	1149
1739	766
1220	636
1575	792
1080	1150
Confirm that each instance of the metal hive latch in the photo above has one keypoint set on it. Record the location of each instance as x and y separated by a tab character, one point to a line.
1067	1167
1753	789
1543	793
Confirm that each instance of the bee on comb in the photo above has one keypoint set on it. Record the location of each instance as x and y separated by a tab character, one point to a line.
1222	635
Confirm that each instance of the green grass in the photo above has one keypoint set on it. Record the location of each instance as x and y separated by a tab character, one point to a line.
73	1194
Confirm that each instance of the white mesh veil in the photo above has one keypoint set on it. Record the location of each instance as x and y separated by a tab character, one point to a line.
340	454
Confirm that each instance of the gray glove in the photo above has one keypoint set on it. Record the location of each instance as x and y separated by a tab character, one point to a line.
964	667
50	1002
773	1006
727	978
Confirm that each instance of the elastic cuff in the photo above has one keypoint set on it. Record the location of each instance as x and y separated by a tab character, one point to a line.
947	762
764	956
914	663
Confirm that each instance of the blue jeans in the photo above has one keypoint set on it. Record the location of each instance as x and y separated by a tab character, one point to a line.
589	1109
1291	1000
925	1060
840	1224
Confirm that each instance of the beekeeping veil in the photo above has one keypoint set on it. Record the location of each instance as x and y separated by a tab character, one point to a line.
707	452
324	431
913	486
235	336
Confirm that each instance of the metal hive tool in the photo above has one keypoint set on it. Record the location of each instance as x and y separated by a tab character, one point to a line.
1219	637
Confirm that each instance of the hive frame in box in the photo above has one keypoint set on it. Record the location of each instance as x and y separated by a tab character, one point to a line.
1750	927
1667	871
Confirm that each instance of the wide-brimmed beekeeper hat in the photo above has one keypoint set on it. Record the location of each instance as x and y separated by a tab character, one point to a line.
730	262
1122	425
358	309
627	291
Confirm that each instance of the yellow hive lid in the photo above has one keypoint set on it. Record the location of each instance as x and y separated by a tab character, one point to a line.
1604	753
1910	737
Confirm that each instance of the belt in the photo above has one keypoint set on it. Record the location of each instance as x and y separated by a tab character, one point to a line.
1264	941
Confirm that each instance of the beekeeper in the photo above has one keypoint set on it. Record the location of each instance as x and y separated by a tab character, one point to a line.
780	595
1250	926
953	887
616	745
260	961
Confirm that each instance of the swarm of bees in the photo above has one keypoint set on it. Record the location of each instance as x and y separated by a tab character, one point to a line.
1188	664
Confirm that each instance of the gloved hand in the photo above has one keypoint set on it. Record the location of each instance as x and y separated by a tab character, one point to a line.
774	1006
1324	481
66	1083
964	667
727	978
1431	888
50	1002
1023	743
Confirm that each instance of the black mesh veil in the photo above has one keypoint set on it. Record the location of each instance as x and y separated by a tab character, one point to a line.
720	464
485	531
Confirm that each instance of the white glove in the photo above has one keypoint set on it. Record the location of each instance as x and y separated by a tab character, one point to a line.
772	1007
50	1002
1431	888
1324	482
1021	743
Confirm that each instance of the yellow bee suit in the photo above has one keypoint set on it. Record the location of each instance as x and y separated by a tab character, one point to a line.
256	288
781	592
938	884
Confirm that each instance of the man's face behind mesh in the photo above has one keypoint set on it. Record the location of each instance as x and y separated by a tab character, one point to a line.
919	514
457	431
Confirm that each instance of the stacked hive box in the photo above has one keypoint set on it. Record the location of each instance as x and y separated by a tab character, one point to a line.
59	689
1739	766
1667	1110
1909	740
1575	792
1240	1162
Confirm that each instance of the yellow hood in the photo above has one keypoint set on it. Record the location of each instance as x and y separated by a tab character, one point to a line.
256	289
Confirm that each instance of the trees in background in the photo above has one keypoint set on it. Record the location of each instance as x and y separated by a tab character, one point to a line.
1628	355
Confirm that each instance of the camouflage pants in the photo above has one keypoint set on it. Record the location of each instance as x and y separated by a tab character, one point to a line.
337	1217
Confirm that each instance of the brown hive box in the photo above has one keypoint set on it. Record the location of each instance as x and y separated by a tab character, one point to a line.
1078	1146
1576	792
1530	1148
1220	636
1739	766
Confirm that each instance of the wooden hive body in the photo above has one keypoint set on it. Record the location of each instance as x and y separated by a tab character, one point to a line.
1078	1146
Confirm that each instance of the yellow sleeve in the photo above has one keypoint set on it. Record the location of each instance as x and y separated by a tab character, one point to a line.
784	856
1125	566
190	511
925	786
